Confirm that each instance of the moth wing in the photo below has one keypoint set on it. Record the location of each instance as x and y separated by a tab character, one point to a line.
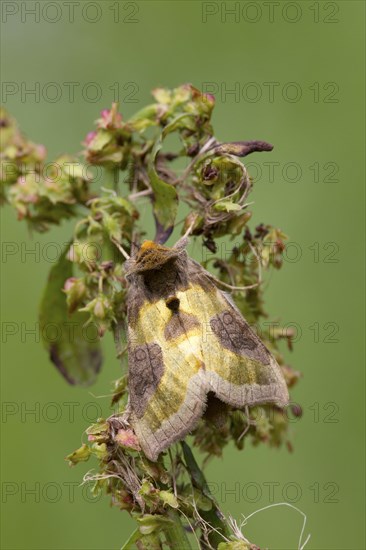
176	358
167	382
239	368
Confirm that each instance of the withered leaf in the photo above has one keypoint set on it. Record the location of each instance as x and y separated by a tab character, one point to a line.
242	148
74	350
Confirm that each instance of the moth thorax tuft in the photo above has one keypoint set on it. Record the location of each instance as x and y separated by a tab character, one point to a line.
148	245
172	302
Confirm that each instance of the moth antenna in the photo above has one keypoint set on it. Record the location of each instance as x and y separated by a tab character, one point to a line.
186	234
183	241
254	285
135	245
121	249
232	287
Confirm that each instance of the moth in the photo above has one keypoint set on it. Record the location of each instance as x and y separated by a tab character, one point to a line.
187	339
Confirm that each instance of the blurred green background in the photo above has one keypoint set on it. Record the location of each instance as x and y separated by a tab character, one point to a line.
296	70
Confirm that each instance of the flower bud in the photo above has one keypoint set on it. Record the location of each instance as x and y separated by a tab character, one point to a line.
128	439
75	290
80	455
99	309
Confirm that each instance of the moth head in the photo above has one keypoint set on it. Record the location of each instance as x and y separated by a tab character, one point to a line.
151	256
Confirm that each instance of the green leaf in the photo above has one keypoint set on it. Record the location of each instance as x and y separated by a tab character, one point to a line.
168	498
97	428
150	523
184	120
234	545
227	206
195	473
213	516
165	195
146	542
148	116
202	502
74	350
165	202
130	543
80	455
99	450
162	95
101	139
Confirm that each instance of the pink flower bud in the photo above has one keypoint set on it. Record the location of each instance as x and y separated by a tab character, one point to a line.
127	438
89	138
99	310
69	283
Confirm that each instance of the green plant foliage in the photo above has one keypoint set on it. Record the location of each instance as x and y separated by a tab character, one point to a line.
87	288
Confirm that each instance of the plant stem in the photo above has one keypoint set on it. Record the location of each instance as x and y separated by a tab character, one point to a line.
213	517
111	178
175	534
142	542
149	542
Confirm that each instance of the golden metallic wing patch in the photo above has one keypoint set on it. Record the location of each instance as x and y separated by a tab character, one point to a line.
187	339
